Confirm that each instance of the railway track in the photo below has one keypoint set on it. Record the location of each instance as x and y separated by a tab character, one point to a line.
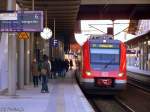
124	105
109	104
117	104
125	102
139	83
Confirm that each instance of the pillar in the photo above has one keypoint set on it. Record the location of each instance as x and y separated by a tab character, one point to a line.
12	64
27	62
12	61
32	52
21	64
32	55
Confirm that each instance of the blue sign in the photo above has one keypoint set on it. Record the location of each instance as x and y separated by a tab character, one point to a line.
27	21
54	43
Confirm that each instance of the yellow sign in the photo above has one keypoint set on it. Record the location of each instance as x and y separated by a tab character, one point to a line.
102	46
106	45
23	35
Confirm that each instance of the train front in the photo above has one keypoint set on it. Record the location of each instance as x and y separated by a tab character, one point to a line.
104	66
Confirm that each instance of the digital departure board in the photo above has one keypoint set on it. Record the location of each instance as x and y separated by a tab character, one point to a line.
27	21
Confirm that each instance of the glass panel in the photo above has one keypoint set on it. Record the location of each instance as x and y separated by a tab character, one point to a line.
104	51
104	59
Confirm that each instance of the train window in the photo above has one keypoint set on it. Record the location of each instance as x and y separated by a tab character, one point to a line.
104	59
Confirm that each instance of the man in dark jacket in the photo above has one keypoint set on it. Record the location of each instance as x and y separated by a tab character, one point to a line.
45	70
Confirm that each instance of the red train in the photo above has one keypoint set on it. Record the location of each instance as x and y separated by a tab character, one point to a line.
103	66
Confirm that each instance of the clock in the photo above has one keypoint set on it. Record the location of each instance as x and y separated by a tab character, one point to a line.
47	33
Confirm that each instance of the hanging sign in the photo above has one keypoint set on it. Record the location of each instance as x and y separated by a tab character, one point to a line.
54	43
8	16
27	21
23	35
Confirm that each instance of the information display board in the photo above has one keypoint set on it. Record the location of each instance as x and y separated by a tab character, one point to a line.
8	16
27	21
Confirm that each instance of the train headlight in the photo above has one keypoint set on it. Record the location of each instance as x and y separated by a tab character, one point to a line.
88	73
120	74
104	41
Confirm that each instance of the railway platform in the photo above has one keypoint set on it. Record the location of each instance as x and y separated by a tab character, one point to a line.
137	75
138	71
64	96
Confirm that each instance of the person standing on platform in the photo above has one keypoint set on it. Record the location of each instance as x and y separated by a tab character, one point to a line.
39	69
71	64
45	70
54	68
50	66
35	72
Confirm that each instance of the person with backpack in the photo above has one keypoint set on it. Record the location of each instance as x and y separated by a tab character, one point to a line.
45	71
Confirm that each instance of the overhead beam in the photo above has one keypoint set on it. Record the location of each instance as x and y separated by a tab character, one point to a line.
61	23
62	15
122	11
57	3
51	10
54	8
62	19
62	28
3	5
62	11
94	2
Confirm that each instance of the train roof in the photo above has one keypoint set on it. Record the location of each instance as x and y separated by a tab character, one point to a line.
103	39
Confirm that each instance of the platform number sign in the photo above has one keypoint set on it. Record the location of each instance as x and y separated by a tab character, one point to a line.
54	43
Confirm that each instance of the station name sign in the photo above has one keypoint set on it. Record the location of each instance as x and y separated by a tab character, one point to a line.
27	21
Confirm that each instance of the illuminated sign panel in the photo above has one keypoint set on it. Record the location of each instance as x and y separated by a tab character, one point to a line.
27	21
54	43
104	46
8	16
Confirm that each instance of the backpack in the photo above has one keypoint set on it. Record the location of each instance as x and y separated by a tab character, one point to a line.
43	69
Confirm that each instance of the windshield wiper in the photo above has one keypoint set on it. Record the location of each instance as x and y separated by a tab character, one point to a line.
106	65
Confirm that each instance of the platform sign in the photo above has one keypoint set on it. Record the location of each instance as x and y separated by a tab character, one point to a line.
54	43
8	16
23	36
27	21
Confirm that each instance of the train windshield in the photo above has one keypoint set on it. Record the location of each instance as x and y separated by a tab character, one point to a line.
105	59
